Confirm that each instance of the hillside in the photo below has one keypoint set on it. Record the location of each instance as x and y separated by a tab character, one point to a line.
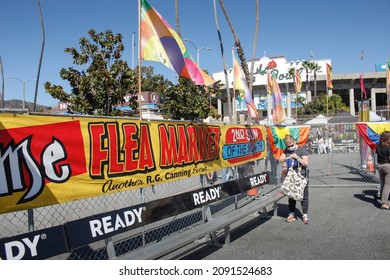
18	104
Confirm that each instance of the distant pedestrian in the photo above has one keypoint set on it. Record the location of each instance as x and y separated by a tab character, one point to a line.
330	145
296	156
321	145
383	160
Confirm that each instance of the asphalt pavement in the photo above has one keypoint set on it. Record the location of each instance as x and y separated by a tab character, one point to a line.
346	223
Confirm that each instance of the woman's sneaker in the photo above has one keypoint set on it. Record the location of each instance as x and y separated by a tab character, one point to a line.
305	219
290	218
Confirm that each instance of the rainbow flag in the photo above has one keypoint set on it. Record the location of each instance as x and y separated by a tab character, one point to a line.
278	112
362	88
329	76
269	83
241	86
276	137
160	42
371	132
298	81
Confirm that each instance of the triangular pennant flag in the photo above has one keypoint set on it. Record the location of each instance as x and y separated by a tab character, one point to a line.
241	86
298	81
278	112
329	76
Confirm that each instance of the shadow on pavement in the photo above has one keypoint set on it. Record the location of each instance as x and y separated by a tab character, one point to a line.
365	196
363	176
204	249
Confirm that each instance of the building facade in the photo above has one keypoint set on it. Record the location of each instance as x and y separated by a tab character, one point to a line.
347	86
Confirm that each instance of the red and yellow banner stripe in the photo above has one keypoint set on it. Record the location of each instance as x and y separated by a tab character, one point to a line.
46	160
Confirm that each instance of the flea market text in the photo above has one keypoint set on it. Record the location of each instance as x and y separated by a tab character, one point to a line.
55	161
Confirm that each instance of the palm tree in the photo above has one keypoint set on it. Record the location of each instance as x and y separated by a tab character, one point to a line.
224	64
2	83
291	72
315	67
177	17
306	65
241	55
254	47
240	51
40	59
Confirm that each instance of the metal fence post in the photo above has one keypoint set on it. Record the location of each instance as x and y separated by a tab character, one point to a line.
30	215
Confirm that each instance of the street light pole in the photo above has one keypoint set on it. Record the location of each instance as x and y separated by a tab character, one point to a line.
197	50
24	88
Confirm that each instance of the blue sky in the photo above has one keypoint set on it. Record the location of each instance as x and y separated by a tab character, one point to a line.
336	30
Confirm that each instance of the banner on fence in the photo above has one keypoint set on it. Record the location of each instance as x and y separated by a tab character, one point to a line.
49	242
371	132
36	245
47	160
104	225
277	134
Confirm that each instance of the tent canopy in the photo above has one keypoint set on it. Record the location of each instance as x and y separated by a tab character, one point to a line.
375	118
288	121
343	117
318	120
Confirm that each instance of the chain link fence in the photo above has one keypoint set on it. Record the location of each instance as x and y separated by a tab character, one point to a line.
335	164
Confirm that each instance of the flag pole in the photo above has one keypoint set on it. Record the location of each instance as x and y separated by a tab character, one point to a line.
269	100
132	51
328	86
388	83
361	75
295	78
327	102
388	87
139	60
234	92
327	93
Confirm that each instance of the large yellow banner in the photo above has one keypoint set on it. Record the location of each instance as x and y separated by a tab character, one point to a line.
46	160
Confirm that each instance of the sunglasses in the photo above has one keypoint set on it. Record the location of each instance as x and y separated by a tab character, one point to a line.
292	145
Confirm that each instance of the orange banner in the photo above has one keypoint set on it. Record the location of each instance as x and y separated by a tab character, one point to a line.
47	160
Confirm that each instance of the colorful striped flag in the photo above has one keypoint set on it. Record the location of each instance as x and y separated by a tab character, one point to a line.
329	76
371	132
241	86
160	42
278	112
362	88
298	81
276	137
269	83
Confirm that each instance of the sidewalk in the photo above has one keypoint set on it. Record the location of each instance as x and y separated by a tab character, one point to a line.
346	223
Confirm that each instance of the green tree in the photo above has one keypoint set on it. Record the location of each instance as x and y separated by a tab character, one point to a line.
311	66
187	101
320	105
306	65
315	67
102	78
335	104
298	99
152	82
291	73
